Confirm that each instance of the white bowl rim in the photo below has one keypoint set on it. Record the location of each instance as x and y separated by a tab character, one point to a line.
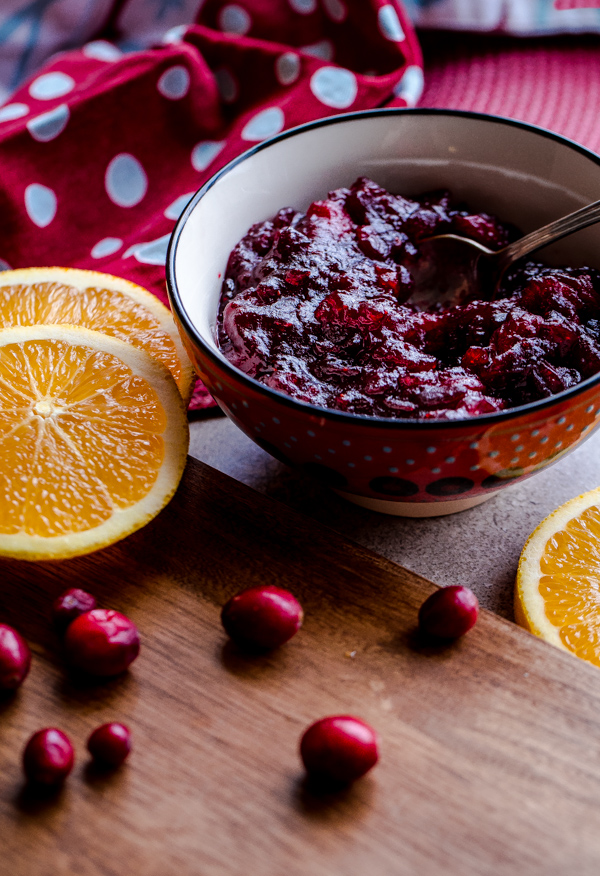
331	413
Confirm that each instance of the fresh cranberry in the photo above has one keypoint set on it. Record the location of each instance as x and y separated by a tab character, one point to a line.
339	748
48	757
110	743
262	617
449	612
102	642
15	658
70	605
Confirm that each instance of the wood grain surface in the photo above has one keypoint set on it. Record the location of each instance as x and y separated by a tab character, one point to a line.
490	747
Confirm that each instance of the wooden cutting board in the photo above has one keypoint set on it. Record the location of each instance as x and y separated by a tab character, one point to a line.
490	751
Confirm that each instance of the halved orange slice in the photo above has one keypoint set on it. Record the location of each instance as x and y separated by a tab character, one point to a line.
557	595
101	302
93	440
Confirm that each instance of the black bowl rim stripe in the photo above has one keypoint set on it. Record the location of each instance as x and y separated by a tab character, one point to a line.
327	413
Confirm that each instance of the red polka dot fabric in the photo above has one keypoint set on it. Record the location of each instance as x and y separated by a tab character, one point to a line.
101	150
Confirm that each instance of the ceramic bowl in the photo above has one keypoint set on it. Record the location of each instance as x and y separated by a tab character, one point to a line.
525	175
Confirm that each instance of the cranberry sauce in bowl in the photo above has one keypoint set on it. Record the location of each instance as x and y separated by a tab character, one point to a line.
318	306
306	330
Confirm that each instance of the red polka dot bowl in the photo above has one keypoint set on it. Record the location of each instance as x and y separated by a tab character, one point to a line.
525	175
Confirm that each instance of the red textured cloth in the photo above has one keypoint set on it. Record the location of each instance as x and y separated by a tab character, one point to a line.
101	150
551	82
576	4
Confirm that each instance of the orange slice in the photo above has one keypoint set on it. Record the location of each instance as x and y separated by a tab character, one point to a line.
93	440
557	593
68	296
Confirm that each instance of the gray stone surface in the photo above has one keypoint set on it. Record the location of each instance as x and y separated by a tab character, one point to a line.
479	547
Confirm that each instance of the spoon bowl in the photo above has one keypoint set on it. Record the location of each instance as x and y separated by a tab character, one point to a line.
477	271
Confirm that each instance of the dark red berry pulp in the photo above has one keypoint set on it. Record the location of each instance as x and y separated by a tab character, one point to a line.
262	617
449	613
15	658
70	605
102	642
110	743
339	748
318	305
48	757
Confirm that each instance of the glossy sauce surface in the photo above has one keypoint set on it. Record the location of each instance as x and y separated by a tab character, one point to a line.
318	305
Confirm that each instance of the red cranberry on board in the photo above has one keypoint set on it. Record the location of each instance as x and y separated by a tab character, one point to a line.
110	743
102	642
15	658
262	617
48	757
70	605
449	613
339	748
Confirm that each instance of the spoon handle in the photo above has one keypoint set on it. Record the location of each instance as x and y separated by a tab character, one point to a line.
549	233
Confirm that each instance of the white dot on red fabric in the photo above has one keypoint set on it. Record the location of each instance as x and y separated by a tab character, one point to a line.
234	19
322	50
287	68
4	266
51	85
204	153
334	86
152	252
228	87
125	180
105	247
264	124
389	24
335	9
49	125
175	209
13	111
41	204
174	82
410	86
175	34
304	7
102	50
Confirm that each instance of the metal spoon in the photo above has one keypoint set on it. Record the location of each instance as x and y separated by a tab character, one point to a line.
480	269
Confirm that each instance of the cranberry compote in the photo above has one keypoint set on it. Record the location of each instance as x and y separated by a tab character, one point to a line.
318	305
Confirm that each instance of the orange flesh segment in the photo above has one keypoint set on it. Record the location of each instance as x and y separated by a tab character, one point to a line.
104	310
570	584
80	437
